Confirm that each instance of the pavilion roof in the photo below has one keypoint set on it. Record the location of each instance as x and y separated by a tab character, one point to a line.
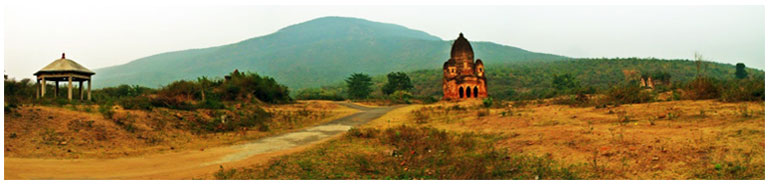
64	65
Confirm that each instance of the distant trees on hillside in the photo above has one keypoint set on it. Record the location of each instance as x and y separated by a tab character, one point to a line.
534	80
564	82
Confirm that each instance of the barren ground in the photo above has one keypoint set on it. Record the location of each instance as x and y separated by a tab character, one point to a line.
188	164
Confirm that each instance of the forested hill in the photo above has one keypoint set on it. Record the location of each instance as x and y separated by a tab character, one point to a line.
311	54
532	79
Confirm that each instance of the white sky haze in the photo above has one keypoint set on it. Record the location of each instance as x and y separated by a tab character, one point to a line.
101	36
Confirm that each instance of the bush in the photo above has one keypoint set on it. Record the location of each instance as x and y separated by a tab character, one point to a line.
579	100
419	116
242	85
626	94
172	103
224	121
488	102
427	99
210	103
106	110
702	88
180	90
401	96
19	92
137	103
121	91
319	94
744	90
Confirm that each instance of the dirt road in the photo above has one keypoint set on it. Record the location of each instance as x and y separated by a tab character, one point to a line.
188	164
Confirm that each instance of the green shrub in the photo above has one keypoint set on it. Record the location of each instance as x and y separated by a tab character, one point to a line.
702	88
263	88
106	110
211	103
626	94
401	96
319	94
224	122
488	102
19	92
427	99
744	90
136	103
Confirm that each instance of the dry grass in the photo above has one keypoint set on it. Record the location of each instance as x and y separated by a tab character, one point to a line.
82	132
663	140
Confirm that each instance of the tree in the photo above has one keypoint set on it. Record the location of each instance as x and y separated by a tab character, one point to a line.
740	71
397	81
698	61
359	85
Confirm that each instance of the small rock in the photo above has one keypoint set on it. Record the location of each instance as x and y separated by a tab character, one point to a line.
63	143
69	150
172	148
655	158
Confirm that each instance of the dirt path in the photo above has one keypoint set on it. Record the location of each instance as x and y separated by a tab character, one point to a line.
188	164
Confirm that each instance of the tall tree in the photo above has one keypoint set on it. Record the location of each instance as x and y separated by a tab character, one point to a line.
397	81
359	85
698	61
740	71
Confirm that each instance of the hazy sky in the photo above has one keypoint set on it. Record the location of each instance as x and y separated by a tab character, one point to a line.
101	36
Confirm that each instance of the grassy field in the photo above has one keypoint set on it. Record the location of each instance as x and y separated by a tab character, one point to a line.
538	140
71	132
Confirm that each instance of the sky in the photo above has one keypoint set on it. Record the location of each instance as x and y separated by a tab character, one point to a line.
102	36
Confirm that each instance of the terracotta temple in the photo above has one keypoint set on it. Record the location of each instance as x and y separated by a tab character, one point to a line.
463	77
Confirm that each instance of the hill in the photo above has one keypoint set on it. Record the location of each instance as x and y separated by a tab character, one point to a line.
310	54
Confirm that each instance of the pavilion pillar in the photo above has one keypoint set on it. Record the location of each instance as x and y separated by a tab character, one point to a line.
56	89
80	89
89	89
42	88
37	88
69	88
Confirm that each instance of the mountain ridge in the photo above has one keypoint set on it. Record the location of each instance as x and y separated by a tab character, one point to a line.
313	53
